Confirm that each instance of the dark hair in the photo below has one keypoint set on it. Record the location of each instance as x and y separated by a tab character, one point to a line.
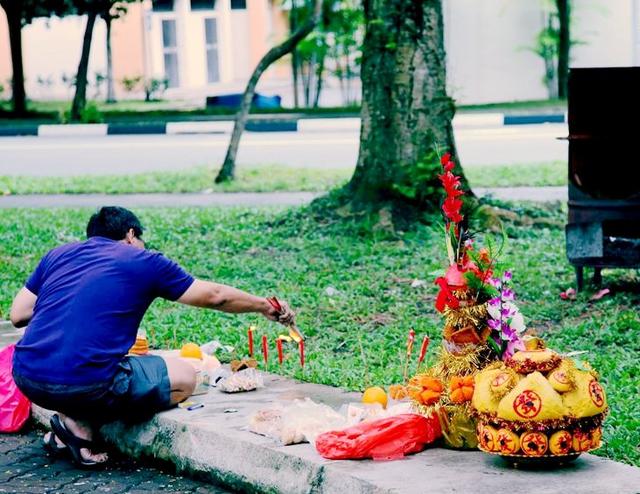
113	222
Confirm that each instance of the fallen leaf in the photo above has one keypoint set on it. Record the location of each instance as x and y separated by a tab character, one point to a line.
599	294
379	319
418	283
330	291
569	294
396	279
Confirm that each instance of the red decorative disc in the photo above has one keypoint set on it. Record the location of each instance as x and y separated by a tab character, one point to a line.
500	379
597	393
527	404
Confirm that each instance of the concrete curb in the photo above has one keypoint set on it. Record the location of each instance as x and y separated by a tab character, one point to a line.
9	334
262	124
238	199
160	200
214	442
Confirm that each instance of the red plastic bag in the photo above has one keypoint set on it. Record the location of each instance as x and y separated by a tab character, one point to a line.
384	439
14	406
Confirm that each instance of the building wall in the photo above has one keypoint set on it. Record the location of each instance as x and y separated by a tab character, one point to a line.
487	45
128	47
51	49
608	32
5	53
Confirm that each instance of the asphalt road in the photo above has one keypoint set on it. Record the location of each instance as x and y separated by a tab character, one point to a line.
66	156
25	468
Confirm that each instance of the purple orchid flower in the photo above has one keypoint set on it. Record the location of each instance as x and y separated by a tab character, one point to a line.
506	312
512	347
494	324
507	294
495	282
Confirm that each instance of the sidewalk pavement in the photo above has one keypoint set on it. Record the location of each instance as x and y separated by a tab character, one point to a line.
214	441
242	199
25	468
258	123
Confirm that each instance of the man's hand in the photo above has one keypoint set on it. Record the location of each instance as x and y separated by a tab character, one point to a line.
228	299
284	316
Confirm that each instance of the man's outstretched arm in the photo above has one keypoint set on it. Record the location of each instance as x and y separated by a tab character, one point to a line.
22	308
228	299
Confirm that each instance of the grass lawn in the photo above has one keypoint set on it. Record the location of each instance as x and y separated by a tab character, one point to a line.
357	330
268	178
513	175
261	179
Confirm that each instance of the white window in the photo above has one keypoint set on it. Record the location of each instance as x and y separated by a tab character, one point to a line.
211	48
170	52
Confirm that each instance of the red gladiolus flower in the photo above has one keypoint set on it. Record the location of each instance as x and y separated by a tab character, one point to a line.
451	182
484	255
451	208
446	162
445	296
445	158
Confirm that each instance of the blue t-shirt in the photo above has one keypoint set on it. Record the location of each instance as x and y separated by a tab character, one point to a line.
92	296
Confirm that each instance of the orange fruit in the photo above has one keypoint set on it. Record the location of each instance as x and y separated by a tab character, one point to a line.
457	395
468	381
398	392
191	350
429	397
375	394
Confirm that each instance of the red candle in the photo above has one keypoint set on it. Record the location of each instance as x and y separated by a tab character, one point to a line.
265	349
301	349
279	345
250	335
423	349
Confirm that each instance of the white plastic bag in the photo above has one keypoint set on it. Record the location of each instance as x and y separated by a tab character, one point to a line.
297	422
244	380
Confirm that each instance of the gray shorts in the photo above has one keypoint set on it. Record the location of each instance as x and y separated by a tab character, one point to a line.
139	389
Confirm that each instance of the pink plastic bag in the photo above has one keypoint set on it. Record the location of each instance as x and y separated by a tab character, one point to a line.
384	439
14	406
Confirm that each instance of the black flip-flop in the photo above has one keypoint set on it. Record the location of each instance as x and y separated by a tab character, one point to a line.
75	444
52	447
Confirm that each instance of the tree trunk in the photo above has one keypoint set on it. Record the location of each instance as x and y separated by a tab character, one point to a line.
227	172
111	94
319	81
564	46
80	98
14	20
295	64
295	68
406	112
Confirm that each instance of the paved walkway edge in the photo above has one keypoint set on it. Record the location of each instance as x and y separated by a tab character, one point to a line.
239	199
259	123
218	446
234	463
